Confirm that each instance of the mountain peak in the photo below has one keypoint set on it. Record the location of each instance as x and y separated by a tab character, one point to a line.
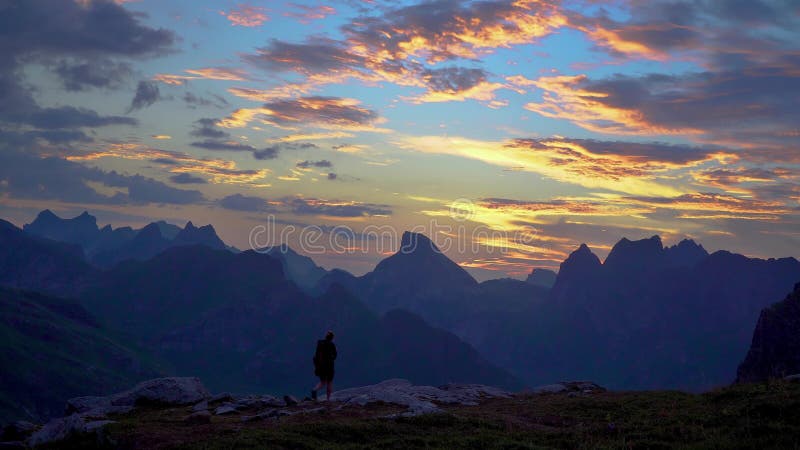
627	254
412	242
580	261
204	235
686	253
542	277
150	230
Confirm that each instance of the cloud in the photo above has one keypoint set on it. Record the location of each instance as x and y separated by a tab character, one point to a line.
239	202
208	128
219	73
245	15
206	73
71	117
309	164
219	171
334	113
29	177
147	93
305	13
224	146
99	73
615	166
335	208
319	55
712	206
195	101
44	28
751	107
86	39
186	178
441	30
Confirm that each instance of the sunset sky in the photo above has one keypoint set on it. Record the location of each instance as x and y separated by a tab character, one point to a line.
554	122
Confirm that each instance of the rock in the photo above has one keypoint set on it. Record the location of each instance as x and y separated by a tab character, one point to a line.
164	391
227	408
550	389
198	418
84	404
97	425
202	406
104	411
418	399
290	400
57	430
795	377
585	387
17	431
222	397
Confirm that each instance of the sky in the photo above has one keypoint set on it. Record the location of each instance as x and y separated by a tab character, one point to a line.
508	131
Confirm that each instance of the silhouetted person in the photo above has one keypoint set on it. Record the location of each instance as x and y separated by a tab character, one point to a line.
323	365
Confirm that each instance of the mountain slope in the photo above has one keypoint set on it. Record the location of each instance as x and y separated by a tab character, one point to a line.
30	262
775	349
51	349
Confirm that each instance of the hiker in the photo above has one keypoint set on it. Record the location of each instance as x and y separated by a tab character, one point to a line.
323	365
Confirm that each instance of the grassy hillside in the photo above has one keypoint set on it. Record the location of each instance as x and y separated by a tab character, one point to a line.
51	349
744	416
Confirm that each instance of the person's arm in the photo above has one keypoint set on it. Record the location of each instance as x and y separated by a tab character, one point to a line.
334	350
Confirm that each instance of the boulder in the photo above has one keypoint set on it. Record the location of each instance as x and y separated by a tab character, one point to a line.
57	430
290	400
202	406
584	387
227	408
418	399
84	404
221	397
164	391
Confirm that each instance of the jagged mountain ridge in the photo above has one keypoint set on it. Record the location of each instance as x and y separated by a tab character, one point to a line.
105	247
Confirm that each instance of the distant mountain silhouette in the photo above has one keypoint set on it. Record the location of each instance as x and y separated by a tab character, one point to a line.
239	323
81	230
775	349
107	246
542	277
646	318
31	262
149	242
52	350
298	268
649	316
191	235
419	278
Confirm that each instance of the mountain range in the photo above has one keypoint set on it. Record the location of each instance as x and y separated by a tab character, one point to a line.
646	317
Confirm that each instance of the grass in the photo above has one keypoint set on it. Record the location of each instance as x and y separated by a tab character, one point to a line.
758	416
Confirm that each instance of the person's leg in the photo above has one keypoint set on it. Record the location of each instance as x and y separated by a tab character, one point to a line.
314	391
329	389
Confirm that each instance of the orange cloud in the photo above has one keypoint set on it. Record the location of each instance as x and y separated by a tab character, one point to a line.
331	113
631	168
219	171
219	73
246	15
